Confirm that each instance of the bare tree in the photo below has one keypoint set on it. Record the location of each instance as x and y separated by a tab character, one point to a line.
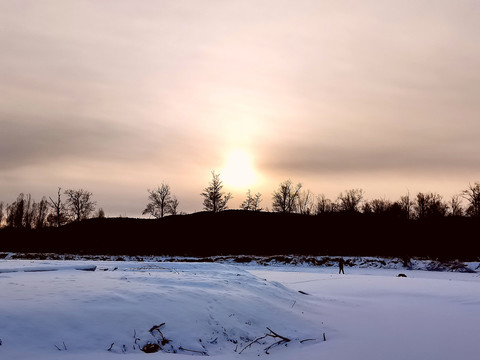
79	203
380	206
472	195
421	206
16	212
1	213
324	205
8	215
214	199
100	214
29	212
252	202
59	215
173	210
438	207
247	204
350	200
429	206
41	213
19	213
284	199
406	205
367	207
26	213
305	202
455	206
160	202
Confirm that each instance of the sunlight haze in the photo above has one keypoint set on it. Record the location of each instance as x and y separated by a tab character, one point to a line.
238	171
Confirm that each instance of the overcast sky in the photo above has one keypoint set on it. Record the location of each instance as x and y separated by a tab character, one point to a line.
117	97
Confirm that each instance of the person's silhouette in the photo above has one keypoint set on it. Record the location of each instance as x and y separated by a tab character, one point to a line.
340	266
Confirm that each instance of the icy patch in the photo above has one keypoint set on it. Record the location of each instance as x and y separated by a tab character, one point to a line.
49	268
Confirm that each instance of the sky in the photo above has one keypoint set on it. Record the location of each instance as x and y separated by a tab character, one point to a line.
118	97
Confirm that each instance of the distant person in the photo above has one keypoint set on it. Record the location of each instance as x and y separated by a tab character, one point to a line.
340	266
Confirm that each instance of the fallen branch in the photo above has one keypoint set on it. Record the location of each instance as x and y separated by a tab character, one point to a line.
64	346
283	340
305	340
111	346
164	340
135	337
276	335
157	328
253	342
194	351
272	334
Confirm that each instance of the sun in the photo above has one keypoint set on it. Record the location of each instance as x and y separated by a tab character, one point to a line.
238	171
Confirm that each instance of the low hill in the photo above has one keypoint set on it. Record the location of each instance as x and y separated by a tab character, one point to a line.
259	233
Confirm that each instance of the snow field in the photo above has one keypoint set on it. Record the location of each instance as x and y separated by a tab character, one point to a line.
372	314
219	310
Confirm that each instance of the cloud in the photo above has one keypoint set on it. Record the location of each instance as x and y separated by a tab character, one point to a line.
124	93
356	151
25	140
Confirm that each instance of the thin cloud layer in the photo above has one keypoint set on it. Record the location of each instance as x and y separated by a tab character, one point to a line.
118	96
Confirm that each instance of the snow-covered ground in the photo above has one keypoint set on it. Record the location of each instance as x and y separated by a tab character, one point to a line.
232	311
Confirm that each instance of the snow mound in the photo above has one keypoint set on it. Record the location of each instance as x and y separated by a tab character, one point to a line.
183	308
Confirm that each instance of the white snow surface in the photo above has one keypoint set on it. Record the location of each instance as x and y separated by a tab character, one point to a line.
219	310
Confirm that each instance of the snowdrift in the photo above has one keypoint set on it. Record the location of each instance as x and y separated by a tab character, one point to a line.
125	308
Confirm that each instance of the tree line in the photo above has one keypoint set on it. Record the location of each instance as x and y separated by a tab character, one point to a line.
289	198
26	213
292	198
74	205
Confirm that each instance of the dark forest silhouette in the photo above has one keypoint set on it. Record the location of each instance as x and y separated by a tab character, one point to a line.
299	223
235	232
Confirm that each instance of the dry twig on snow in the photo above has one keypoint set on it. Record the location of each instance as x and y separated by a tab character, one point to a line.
157	328
272	334
194	351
